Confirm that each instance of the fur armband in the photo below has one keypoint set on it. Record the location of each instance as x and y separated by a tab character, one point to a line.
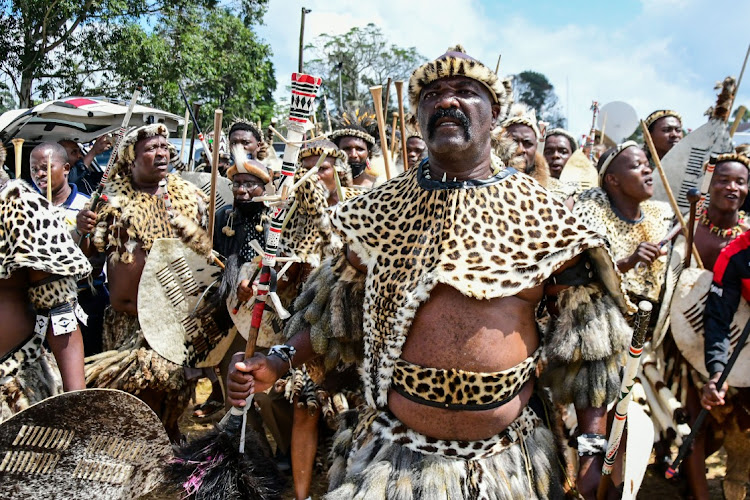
331	306
55	299
585	348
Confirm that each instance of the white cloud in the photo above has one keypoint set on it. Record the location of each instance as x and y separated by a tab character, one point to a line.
657	58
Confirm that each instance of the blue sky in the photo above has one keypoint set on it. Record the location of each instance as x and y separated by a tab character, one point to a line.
651	54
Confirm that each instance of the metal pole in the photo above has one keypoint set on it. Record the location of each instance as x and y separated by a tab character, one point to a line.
191	163
302	37
341	91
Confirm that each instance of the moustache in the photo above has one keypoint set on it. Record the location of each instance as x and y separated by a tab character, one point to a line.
448	113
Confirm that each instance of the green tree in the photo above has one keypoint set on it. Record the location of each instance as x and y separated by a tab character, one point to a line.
361	58
72	46
536	91
213	52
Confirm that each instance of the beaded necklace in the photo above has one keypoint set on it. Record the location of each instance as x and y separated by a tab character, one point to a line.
720	232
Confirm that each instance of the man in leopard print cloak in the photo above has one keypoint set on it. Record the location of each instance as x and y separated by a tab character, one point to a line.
39	266
454	257
133	216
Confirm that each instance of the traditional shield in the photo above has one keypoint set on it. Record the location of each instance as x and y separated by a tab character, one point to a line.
675	261
580	172
683	165
174	280
618	120
202	180
92	444
637	450
687	309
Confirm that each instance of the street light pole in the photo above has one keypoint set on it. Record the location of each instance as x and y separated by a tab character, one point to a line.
302	36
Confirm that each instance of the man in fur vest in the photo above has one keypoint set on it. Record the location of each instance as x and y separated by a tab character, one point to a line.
454	258
137	211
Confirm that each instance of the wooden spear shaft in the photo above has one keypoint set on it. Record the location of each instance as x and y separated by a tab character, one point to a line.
218	114
402	118
668	189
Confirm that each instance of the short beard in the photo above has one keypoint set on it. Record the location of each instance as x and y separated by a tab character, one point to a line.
358	168
449	113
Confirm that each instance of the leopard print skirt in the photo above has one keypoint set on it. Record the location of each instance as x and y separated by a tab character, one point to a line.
28	375
376	456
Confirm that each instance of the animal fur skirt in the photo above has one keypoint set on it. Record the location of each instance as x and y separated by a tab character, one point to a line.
375	456
130	365
28	375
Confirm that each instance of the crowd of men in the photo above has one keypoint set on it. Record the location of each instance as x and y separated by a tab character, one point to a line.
450	329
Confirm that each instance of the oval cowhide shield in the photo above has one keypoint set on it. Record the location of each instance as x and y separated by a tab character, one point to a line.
91	444
173	281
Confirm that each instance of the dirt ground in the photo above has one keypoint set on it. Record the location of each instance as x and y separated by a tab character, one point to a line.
654	486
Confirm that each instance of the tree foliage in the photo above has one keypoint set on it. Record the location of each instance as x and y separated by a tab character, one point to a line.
363	58
536	91
103	47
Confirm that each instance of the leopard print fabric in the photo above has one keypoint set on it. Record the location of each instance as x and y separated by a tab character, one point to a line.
459	389
32	236
145	217
308	234
55	293
22	357
594	209
384	425
487	239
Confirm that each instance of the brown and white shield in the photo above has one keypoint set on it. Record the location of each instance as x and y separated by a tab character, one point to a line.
688	305
174	280
92	444
202	180
683	165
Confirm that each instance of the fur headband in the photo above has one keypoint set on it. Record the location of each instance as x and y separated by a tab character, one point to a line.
455	62
660	114
609	159
738	157
126	150
352	132
567	135
330	152
521	115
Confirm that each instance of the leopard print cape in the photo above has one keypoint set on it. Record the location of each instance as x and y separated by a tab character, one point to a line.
33	236
145	217
594	209
308	234
487	239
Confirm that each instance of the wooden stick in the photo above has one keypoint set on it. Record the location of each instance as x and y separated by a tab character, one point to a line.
393	134
402	118
670	195
497	66
739	81
328	114
387	95
18	153
377	92
740	113
218	114
693	196
49	177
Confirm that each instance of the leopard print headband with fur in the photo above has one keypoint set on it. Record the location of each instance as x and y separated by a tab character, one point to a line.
455	62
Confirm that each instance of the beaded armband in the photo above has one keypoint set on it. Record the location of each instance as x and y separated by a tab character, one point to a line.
283	351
